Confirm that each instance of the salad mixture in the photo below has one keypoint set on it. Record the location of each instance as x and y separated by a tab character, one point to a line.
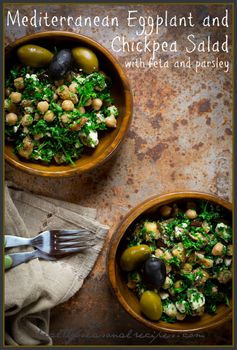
180	264
57	104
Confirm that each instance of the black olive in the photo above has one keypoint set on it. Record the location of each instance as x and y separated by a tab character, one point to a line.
154	272
60	64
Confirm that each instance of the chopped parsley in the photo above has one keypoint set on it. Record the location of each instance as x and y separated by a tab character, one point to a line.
197	280
63	138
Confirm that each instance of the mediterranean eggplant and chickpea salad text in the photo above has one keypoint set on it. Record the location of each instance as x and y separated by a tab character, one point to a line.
56	104
180	264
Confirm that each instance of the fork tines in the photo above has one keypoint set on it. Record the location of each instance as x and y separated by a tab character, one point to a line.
70	232
73	249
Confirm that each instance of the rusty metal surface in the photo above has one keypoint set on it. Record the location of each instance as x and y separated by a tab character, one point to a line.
180	139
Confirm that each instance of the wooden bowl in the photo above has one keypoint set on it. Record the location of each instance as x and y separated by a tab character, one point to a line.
120	91
117	277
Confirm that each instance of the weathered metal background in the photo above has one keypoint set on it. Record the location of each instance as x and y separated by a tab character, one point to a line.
180	139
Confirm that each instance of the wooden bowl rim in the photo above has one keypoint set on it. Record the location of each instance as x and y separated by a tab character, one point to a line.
120	231
126	120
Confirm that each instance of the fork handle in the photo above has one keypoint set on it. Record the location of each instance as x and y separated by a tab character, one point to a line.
19	258
15	241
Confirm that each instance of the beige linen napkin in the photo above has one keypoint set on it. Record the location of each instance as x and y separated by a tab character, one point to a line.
33	288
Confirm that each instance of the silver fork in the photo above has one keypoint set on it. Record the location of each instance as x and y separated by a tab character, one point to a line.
50	244
54	242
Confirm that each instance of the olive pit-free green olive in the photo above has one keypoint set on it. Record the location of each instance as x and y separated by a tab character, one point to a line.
151	305
85	59
8	261
34	55
134	256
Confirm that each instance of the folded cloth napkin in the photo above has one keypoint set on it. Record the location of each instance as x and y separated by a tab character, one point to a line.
33	288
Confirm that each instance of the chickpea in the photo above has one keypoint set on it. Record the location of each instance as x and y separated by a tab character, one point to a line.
73	97
179	251
11	118
63	92
158	253
26	120
218	249
168	283
67	105
73	87
88	102
230	250
167	255
151	226
111	121
49	116
43	106
19	83
65	118
55	96
96	104
165	211
27	148
15	97
187	267
82	110
191	214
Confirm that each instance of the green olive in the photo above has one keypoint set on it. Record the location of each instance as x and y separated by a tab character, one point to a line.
132	257
34	56
151	305
86	59
8	262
